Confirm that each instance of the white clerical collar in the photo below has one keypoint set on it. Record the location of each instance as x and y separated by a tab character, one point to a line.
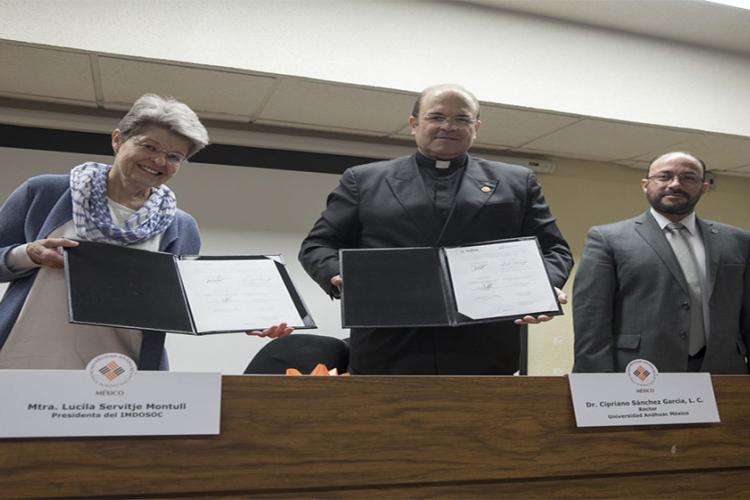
454	163
688	221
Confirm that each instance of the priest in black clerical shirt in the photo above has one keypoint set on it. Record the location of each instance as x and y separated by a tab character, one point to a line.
439	196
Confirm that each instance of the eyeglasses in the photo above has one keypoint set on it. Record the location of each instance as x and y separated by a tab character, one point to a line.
667	177
151	149
458	121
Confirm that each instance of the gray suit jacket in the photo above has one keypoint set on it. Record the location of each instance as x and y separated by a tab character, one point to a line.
630	299
386	205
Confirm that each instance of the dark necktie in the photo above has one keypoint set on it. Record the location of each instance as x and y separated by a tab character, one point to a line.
690	269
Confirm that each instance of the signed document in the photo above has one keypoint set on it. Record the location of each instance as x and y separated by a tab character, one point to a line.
450	286
128	288
500	279
227	295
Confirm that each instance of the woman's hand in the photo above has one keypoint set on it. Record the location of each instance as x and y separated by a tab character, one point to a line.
274	332
48	252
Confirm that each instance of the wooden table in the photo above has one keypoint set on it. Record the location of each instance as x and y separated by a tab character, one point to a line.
399	437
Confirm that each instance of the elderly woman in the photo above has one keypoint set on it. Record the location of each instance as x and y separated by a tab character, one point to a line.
125	203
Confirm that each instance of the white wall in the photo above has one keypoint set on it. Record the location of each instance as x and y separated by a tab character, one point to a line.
240	211
503	57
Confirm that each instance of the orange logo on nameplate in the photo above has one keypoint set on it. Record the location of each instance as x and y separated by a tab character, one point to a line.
641	372
111	369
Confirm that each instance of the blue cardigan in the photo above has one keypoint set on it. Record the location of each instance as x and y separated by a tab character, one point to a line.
41	205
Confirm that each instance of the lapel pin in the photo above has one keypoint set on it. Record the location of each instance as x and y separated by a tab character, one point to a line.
486	189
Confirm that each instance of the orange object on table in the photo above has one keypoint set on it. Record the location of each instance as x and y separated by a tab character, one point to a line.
320	370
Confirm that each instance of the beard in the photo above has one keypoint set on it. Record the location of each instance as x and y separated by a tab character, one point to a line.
682	205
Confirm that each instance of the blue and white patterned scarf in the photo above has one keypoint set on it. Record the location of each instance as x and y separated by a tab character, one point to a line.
93	220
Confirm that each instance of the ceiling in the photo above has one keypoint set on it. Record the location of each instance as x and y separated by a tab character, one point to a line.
84	91
703	23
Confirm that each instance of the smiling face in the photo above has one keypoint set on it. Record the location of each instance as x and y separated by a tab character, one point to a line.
446	126
144	161
674	185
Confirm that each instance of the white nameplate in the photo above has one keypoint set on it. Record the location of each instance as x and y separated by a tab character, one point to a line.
642	396
108	398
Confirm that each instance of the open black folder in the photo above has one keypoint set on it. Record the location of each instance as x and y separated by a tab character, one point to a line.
447	286
129	288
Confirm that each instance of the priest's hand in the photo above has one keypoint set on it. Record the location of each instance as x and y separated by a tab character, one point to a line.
562	298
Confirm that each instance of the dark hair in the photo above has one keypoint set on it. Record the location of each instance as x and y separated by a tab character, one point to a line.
167	112
445	86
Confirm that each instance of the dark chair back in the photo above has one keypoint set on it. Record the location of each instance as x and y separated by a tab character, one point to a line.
302	351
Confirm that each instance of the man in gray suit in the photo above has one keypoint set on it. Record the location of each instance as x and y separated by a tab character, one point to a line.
665	286
439	196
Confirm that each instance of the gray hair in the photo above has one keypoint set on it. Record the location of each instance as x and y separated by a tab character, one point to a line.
468	97
166	112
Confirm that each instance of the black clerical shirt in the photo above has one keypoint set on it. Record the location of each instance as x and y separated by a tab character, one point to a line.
441	183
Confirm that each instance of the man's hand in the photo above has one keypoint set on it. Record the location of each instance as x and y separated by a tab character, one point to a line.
337	281
48	253
274	332
562	298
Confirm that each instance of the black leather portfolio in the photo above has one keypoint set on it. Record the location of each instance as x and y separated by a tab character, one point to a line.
447	286
129	288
